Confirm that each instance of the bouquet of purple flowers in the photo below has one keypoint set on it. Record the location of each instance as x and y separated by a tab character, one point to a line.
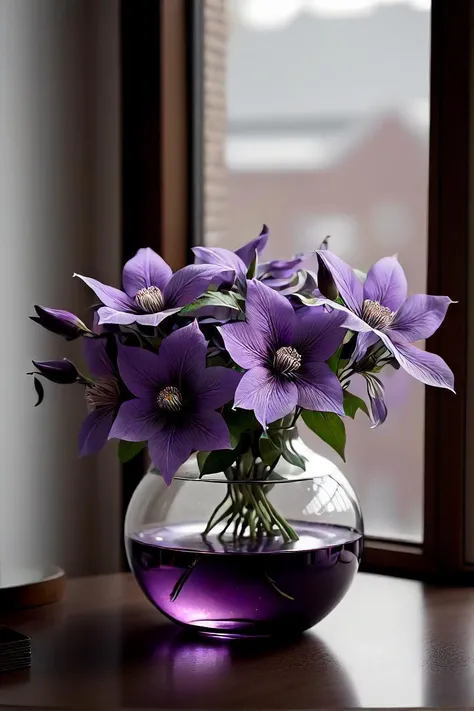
224	356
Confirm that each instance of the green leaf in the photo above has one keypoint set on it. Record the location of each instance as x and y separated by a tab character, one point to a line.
201	458
129	450
352	403
269	451
333	361
239	421
329	427
212	298
218	461
252	270
282	439
305	299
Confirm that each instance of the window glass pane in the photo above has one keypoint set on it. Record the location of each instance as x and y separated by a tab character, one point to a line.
327	107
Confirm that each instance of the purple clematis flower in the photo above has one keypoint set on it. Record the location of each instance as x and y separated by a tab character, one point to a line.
239	261
151	291
63	323
102	397
380	309
283	352
176	399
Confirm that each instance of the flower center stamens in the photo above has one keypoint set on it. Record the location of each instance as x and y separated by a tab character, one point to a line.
170	399
286	360
150	299
103	393
376	315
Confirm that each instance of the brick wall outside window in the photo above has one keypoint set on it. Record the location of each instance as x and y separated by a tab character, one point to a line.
215	121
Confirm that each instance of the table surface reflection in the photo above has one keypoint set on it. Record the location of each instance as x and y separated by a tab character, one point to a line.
390	643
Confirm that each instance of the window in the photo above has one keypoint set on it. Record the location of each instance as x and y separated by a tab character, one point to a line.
323	140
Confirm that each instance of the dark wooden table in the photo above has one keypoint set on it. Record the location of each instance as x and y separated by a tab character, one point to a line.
390	643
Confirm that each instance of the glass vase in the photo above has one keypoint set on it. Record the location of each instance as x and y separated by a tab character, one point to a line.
253	551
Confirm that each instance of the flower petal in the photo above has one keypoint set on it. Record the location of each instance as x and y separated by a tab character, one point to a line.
156	319
109	295
429	368
112	316
319	389
364	341
318	333
270	397
257	245
209	431
216	386
348	283
169	448
143	372
247	347
420	316
137	421
145	269
98	362
352	322
183	355
95	430
190	282
377	406
386	283
269	314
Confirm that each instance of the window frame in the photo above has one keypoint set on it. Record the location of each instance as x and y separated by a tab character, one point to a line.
162	46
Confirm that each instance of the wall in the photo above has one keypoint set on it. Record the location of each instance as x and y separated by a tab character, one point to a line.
59	208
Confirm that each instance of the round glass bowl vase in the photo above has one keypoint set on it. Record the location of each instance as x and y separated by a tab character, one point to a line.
221	557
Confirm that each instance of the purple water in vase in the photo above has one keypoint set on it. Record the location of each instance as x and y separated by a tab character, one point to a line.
244	589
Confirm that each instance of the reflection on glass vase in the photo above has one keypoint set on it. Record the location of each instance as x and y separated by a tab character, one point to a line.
235	557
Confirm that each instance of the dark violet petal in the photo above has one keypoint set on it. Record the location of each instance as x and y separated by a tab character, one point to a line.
190	282
95	430
319	389
386	283
109	295
377	407
257	245
426	367
108	315
209	431
216	386
145	269
247	347
143	372
270	397
183	354
348	283
420	316
318	333
137	421
169	448
281	268
98	362
269	314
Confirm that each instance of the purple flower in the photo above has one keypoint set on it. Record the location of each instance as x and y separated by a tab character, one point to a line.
283	352
176	398
102	397
63	323
380	308
239	261
151	291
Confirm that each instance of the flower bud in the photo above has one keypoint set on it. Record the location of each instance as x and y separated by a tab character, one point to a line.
63	323
326	283
62	372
